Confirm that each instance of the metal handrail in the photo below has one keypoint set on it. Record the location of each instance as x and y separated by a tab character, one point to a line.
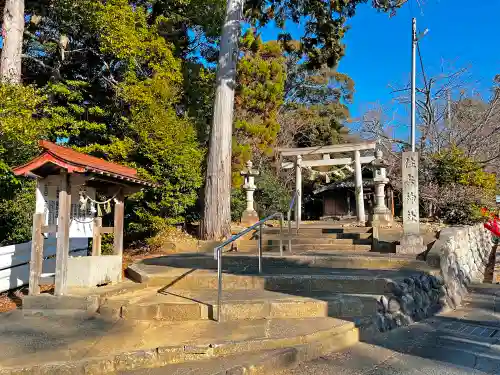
292	202
218	253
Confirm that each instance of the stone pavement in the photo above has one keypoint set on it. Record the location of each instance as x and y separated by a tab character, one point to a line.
464	341
90	344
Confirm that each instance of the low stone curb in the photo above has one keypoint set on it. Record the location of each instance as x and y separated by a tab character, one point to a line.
308	347
282	359
288	358
291	357
235	310
47	302
136	273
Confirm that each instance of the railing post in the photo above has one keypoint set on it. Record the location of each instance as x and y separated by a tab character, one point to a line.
281	234
219	281
96	236
298	207
36	260
260	249
219	250
289	232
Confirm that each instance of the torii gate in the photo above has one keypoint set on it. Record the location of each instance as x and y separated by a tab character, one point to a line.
325	151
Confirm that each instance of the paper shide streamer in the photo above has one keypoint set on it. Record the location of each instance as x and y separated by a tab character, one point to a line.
96	206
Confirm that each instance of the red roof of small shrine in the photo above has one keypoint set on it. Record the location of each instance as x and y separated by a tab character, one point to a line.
55	156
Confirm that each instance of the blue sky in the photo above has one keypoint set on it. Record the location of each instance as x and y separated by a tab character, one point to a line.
463	33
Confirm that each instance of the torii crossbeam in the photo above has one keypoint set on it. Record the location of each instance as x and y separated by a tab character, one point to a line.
302	160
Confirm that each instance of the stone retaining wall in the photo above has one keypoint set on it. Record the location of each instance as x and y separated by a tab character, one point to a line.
460	256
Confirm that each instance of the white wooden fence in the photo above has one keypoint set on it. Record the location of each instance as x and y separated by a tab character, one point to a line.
14	261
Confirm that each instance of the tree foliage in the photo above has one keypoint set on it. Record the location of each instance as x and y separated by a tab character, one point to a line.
19	132
454	167
132	82
113	88
259	96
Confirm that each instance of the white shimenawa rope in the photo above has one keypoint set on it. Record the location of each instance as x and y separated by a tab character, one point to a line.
84	199
338	172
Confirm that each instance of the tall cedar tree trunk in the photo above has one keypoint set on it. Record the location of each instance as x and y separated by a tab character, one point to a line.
12	35
216	222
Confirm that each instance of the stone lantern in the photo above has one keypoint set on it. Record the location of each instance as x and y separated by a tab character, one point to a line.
249	216
382	216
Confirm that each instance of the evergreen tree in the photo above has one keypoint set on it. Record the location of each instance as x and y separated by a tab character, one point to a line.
259	95
132	82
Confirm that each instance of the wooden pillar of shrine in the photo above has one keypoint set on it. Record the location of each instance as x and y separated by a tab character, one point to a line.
118	224
62	249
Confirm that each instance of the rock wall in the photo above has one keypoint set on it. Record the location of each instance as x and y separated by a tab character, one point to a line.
460	257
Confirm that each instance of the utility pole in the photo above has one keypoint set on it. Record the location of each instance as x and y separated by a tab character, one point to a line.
216	223
414	42
448	111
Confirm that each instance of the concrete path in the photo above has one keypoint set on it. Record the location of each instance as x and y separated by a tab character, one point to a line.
461	342
465	341
27	341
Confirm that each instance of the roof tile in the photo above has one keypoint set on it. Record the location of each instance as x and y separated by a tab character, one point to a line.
74	157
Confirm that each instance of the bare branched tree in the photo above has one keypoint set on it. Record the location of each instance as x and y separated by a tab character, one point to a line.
450	113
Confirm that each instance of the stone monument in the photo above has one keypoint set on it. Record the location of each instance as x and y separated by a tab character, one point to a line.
249	216
381	216
412	241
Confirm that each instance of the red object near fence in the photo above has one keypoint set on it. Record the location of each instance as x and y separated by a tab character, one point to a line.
493	226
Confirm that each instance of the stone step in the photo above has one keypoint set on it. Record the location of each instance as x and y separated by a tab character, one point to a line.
101	346
320	230
180	266
315	280
354	306
326	225
259	363
47	304
307	241
184	305
163	270
348	306
334	260
179	305
245	247
353	281
354	236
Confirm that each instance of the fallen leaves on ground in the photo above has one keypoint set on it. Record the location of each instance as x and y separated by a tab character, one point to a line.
12	299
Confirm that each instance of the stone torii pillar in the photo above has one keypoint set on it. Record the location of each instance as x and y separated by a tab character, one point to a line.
249	216
360	204
298	190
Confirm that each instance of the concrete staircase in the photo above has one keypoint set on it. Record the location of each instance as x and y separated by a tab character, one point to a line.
267	323
332	284
312	237
312	301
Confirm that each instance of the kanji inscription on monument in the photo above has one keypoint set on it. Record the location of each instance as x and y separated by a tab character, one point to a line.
410	193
